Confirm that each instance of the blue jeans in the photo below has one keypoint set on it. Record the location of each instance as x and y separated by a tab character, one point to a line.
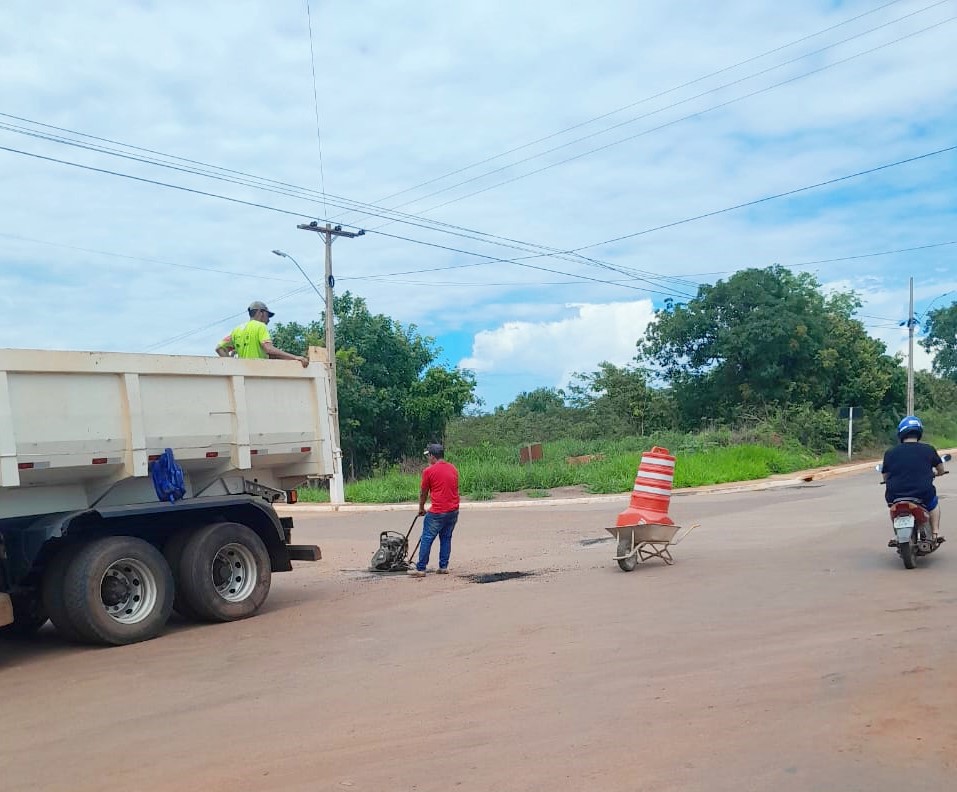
440	525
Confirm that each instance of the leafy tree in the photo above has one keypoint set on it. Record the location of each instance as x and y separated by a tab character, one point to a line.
934	392
540	400
393	397
855	369
624	392
940	339
767	337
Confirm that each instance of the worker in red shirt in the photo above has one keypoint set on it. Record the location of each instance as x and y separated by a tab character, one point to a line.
440	480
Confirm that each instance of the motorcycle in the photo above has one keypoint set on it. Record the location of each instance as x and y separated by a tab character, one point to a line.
912	534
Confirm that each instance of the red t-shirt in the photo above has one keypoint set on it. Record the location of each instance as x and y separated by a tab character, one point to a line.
442	482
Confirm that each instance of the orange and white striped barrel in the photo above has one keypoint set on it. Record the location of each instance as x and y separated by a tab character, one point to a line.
651	495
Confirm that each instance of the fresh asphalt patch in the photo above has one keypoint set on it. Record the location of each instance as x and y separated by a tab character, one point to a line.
498	577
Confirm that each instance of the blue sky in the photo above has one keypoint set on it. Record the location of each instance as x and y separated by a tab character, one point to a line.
589	123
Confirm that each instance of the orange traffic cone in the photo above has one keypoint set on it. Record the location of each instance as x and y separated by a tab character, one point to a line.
652	493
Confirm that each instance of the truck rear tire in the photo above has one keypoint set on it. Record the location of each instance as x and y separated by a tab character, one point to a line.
173	552
118	590
54	576
224	572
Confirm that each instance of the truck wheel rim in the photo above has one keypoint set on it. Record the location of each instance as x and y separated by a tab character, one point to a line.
128	591
234	572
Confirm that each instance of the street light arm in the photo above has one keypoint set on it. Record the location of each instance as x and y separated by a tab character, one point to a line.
938	297
308	279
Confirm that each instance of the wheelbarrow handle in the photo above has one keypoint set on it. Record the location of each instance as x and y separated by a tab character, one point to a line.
681	533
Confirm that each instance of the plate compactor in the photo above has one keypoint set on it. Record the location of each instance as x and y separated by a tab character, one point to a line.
393	553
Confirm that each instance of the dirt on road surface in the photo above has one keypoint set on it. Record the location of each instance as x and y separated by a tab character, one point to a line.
787	649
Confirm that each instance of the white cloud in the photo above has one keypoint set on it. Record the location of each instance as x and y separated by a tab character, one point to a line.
552	351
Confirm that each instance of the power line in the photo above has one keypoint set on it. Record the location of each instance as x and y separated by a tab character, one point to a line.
637	103
390	277
315	96
879	318
154	182
767	198
492	259
521	261
673	122
649	277
236	315
261	181
717	211
427	224
145	260
258	182
835	260
689	275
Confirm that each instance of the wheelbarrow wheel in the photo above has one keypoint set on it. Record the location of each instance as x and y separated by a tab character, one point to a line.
627	564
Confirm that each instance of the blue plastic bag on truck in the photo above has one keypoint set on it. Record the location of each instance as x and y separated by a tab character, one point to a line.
167	477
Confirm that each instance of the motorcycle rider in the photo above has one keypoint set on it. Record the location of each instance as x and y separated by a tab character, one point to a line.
909	469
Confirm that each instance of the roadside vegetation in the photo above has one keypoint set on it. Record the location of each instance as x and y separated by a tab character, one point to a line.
487	470
743	381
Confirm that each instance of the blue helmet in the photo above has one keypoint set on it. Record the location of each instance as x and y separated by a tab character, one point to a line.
911	425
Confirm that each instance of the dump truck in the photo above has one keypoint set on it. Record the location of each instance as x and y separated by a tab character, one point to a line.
86	541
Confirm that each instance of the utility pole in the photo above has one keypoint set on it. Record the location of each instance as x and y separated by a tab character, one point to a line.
329	234
910	352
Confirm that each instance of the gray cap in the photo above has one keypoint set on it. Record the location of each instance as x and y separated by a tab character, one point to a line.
435	449
259	305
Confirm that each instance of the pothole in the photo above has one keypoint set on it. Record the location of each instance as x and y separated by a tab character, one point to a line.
597	540
498	577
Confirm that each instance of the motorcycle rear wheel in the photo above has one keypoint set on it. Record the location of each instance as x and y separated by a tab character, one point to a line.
907	554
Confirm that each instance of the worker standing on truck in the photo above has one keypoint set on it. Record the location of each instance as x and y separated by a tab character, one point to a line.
251	340
440	481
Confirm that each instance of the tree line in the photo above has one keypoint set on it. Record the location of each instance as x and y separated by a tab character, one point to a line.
765	346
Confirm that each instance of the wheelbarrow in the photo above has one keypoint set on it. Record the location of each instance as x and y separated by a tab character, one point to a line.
649	540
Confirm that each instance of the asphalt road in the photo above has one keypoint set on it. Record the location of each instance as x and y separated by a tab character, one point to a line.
787	649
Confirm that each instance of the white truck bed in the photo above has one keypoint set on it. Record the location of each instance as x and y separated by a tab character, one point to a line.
77	426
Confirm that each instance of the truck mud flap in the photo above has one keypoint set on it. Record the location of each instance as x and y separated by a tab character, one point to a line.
304	552
6	609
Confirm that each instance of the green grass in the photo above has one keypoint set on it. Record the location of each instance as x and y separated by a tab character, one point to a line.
313	495
480	495
489	469
388	488
941	441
